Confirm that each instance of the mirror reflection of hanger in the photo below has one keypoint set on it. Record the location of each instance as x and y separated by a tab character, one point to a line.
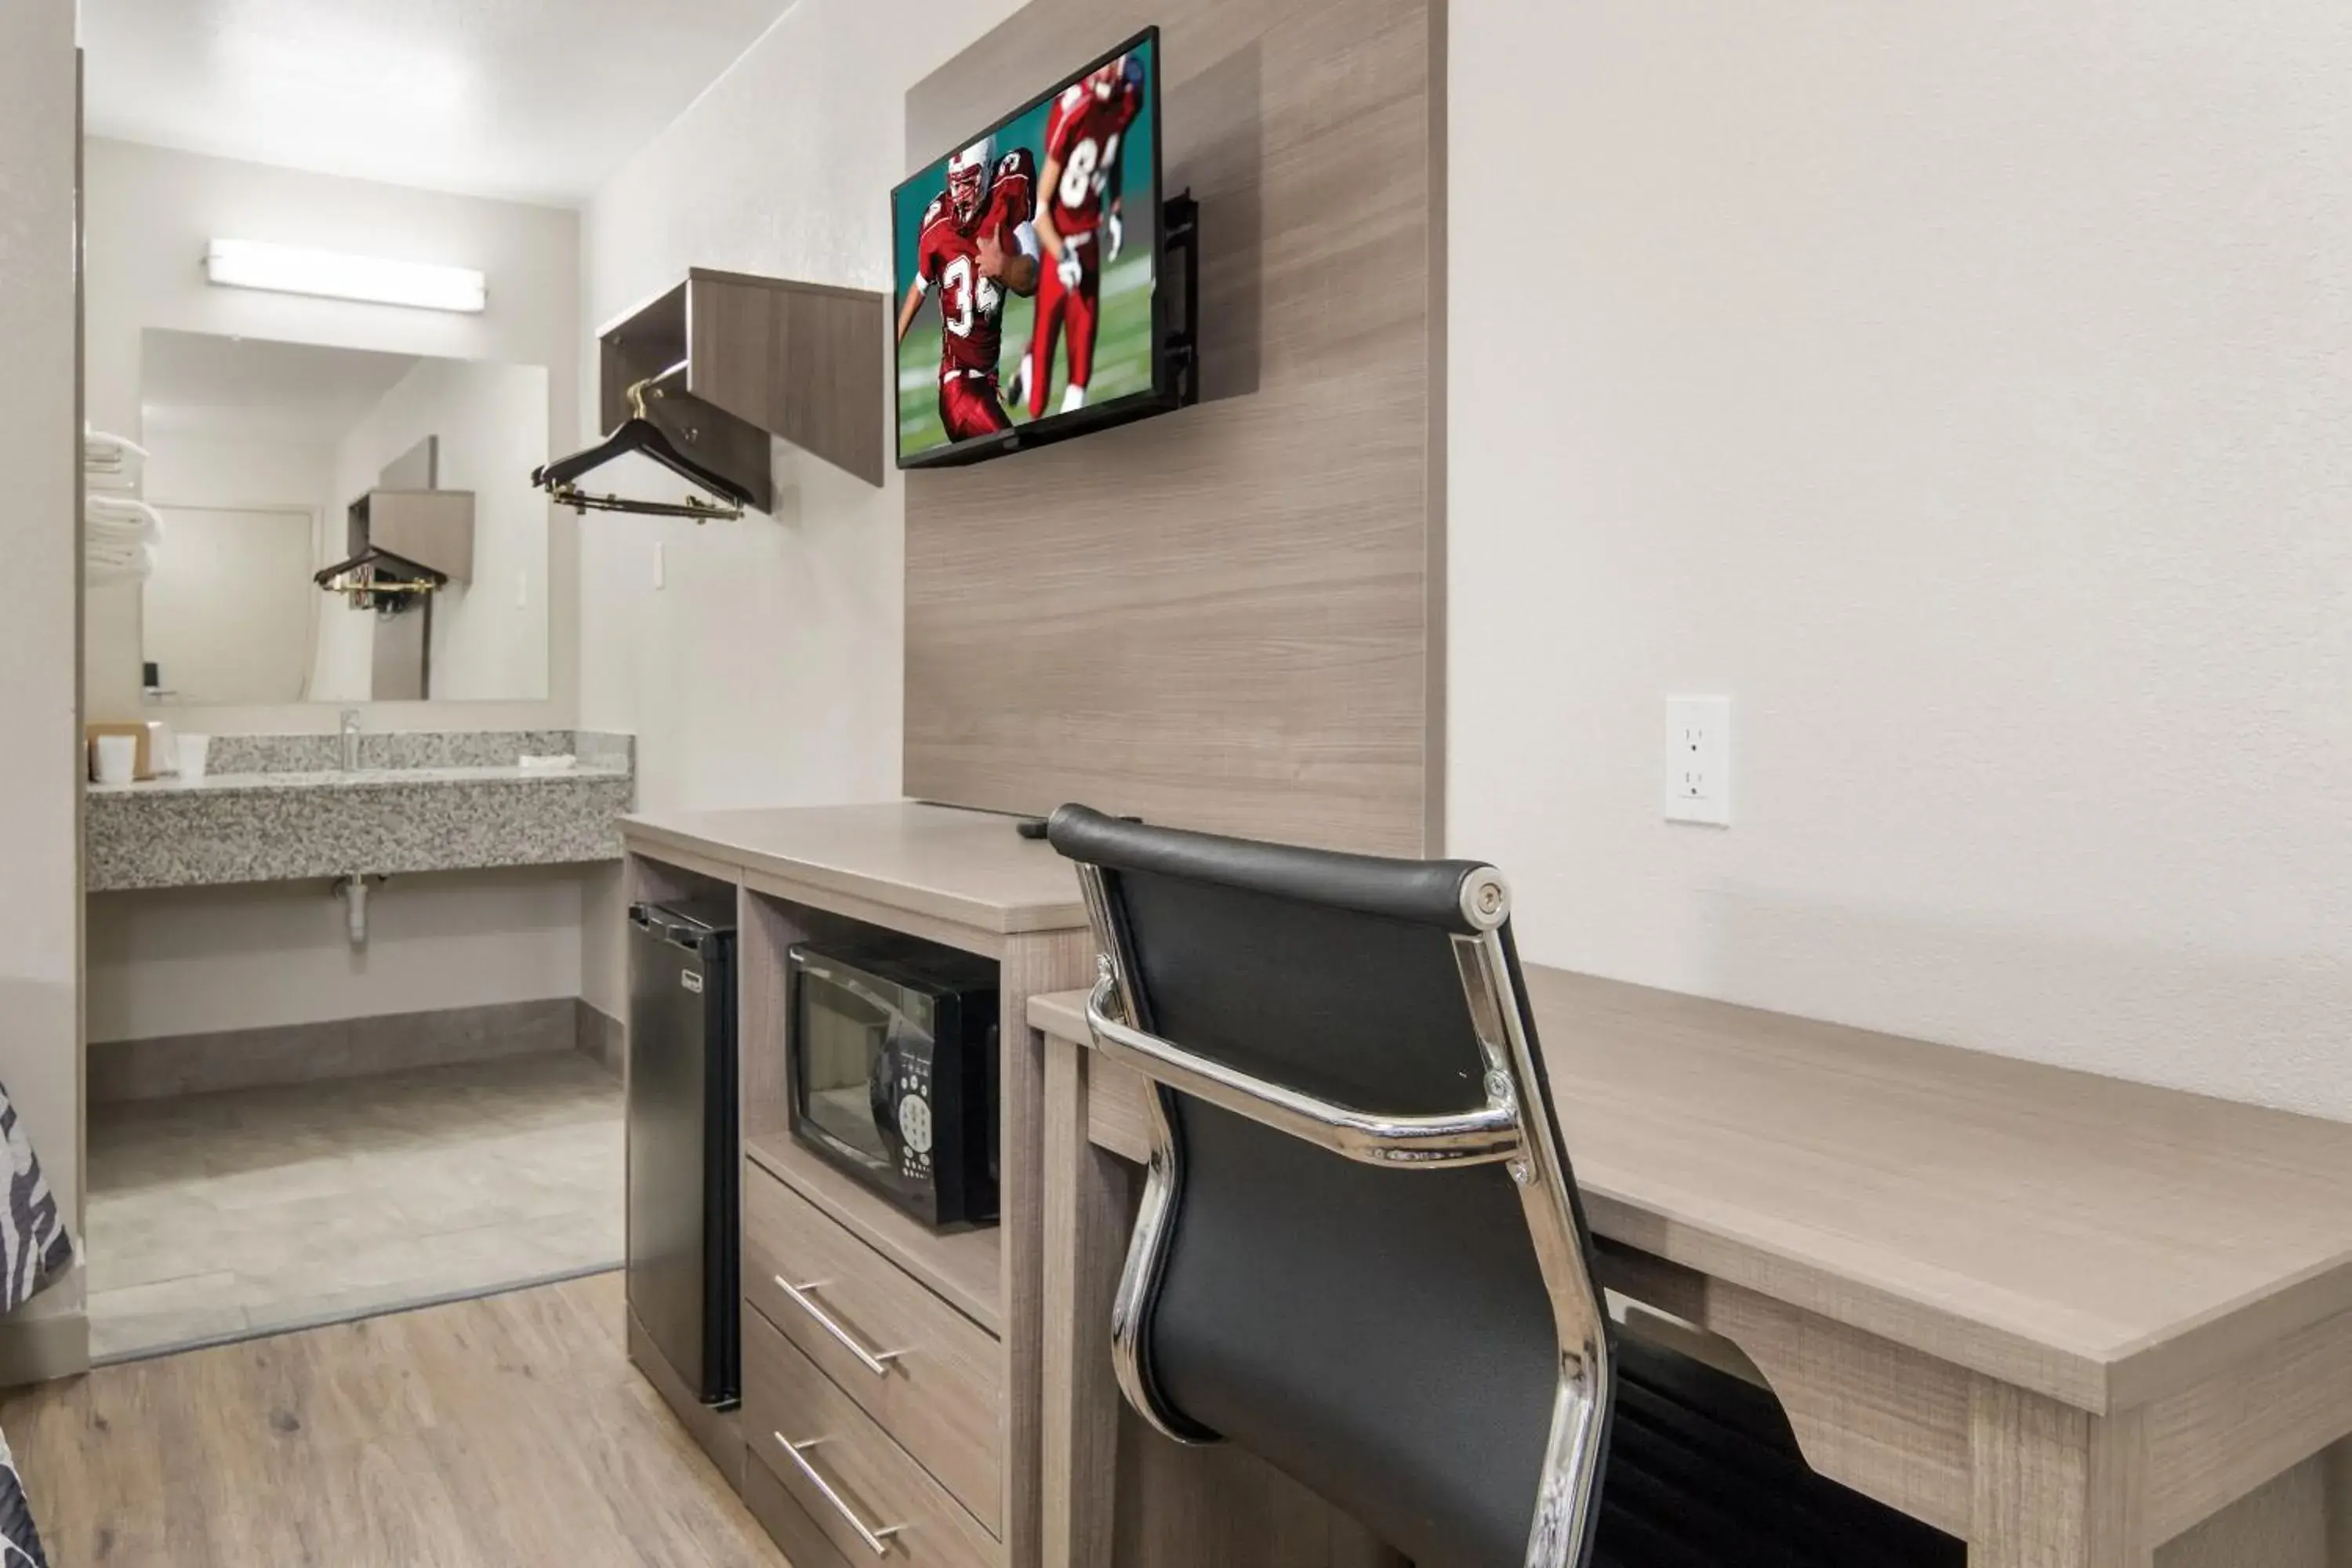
640	435
380	580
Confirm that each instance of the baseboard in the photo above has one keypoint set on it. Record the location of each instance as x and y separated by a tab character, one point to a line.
602	1037
359	1315
348	1048
40	1349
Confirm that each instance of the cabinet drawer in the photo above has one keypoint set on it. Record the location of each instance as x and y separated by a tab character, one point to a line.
874	1484
787	1524
936	1392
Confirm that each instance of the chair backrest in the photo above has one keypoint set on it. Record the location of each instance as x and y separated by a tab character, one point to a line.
1361	1253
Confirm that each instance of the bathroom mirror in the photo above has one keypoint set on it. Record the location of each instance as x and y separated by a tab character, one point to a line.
332	525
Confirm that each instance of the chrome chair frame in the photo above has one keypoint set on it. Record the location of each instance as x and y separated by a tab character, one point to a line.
1504	1129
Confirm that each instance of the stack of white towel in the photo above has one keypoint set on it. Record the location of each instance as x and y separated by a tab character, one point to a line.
120	532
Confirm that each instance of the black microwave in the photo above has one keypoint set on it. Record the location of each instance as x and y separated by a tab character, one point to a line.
894	1073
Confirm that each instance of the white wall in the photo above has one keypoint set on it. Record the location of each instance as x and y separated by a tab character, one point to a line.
227	615
491	634
192	961
768	671
190	469
40	1056
1964	389
152	213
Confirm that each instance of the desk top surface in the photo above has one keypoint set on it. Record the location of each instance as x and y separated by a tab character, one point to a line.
969	867
2102	1242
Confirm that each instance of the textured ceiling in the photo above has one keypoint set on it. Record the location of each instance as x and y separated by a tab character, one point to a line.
528	99
195	384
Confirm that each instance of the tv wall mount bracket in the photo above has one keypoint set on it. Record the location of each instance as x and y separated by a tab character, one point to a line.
1180	229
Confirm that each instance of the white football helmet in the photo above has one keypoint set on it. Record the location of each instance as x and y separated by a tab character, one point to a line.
970	174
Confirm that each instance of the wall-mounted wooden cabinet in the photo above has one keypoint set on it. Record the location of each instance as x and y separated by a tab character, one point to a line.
431	528
762	356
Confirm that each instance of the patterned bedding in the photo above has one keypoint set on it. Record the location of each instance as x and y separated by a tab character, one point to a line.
20	1543
35	1250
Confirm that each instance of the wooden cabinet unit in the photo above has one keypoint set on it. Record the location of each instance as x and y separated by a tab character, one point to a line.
943	1441
845	1472
928	1376
756	357
431	528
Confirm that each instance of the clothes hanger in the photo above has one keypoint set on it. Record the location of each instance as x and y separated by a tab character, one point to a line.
358	579
639	435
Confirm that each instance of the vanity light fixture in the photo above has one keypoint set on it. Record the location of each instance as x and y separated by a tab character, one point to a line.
287	269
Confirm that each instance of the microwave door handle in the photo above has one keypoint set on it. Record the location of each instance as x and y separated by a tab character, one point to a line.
863	992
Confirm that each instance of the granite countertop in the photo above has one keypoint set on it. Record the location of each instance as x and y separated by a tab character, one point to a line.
276	809
251	784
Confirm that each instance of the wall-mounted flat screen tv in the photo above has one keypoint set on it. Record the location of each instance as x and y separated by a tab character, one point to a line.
1030	299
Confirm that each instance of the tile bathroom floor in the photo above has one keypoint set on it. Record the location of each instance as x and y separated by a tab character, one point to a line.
214	1216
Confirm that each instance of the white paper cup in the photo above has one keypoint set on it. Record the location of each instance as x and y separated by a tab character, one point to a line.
193	750
116	756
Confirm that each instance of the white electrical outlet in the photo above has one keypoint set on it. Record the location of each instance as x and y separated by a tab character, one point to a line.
661	565
1698	759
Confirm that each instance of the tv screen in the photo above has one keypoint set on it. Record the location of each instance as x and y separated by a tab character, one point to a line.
1028	271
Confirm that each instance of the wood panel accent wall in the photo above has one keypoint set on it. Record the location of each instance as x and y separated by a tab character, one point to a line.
1228	617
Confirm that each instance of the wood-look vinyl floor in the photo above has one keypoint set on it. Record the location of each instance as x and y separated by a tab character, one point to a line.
505	1432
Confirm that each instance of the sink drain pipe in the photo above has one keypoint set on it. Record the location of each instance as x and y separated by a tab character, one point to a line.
354	891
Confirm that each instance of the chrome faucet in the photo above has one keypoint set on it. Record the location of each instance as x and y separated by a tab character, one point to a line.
351	740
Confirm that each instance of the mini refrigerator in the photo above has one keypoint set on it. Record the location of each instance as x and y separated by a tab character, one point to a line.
684	1179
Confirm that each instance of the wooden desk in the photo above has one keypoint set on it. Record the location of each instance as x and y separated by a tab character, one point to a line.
2069	1318
900	859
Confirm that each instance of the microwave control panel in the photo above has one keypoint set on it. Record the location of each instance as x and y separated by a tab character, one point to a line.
913	1114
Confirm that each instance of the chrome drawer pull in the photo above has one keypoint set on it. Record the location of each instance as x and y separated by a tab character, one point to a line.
876	1540
875	1362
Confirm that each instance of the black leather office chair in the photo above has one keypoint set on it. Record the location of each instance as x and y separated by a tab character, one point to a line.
1361	1252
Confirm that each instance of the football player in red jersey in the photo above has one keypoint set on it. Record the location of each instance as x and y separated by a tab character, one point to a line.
1079	223
978	241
